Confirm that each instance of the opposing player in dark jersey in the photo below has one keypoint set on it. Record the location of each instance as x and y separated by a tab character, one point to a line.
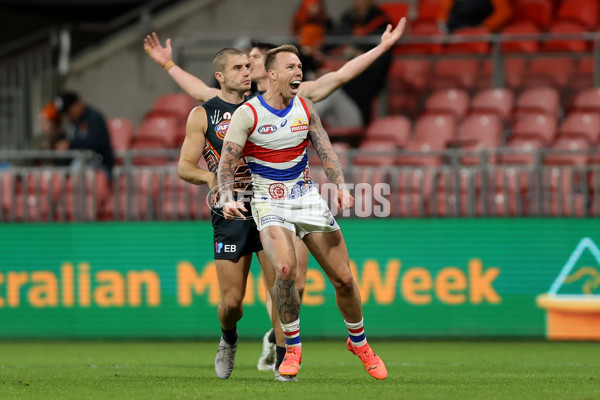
234	242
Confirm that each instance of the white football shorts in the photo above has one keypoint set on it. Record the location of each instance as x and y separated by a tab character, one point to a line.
302	215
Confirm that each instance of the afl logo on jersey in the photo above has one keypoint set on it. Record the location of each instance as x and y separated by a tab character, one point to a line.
221	129
267	129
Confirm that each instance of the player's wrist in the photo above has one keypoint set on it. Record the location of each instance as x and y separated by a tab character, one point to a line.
168	65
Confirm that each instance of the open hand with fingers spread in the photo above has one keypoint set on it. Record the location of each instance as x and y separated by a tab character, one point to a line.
156	51
390	37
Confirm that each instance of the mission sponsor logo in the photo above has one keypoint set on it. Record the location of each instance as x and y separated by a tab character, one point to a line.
299	125
267	129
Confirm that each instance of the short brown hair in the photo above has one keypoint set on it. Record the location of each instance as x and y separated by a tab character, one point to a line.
220	60
271	54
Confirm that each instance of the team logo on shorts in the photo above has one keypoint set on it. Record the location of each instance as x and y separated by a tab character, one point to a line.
327	214
221	129
278	191
299	125
267	129
307	177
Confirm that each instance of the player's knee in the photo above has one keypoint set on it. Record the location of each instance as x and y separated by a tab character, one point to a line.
343	283
233	301
285	271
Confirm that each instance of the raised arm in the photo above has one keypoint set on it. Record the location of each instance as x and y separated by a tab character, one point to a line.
329	159
191	151
322	87
163	56
233	145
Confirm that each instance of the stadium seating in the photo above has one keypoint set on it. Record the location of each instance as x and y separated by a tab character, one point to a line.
454	73
573	45
538	100
395	128
587	100
479	132
583	12
521	46
121	132
436	130
376	153
535	125
568	151
555	72
454	102
176	105
538	12
521	150
475	47
497	101
582	125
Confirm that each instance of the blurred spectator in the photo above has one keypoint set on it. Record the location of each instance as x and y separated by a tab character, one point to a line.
310	25
86	130
51	129
492	14
365	18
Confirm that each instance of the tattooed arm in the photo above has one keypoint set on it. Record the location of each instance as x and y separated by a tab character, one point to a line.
329	159
233	144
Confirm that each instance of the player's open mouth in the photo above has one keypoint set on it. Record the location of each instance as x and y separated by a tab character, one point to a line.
295	85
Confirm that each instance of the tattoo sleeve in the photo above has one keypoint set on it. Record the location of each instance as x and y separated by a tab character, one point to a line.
287	299
230	156
319	139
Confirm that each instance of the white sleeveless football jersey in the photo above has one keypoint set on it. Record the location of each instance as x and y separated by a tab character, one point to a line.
276	149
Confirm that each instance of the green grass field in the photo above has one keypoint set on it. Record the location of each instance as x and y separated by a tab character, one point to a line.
417	370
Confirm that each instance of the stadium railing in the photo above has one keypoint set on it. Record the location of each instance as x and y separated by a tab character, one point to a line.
34	189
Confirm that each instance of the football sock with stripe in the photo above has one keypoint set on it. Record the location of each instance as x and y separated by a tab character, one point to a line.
292	333
356	331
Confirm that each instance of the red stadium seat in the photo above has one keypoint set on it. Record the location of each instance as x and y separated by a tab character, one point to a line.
514	72
557	71
537	11
177	105
394	128
587	100
422	28
475	47
409	73
394	10
376	153
582	125
521	150
568	151
520	46
448	101
121	132
417	153
535	125
437	130
479	132
583	12
497	101
163	129
452	73
536	100
429	9
574	45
